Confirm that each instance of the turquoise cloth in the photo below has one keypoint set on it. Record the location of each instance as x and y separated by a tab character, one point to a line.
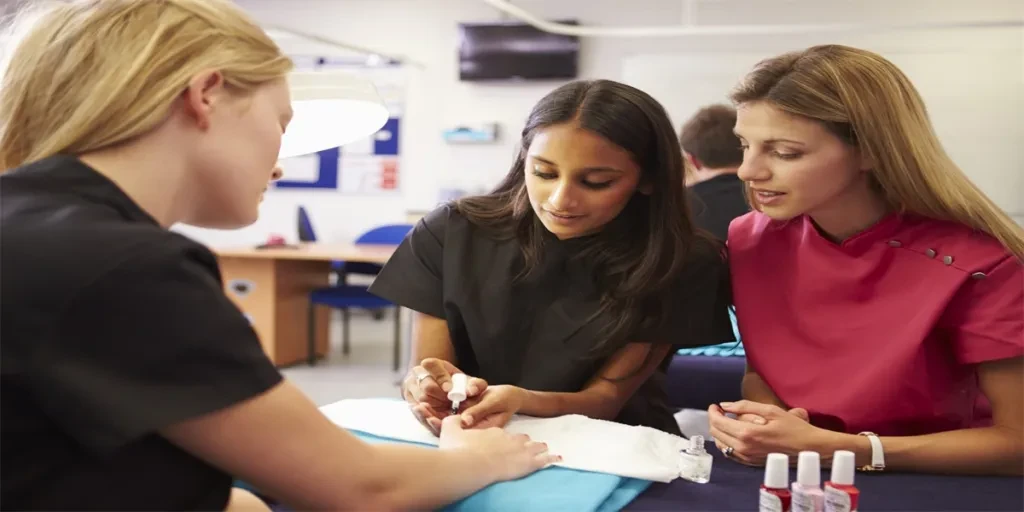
723	350
555	489
732	348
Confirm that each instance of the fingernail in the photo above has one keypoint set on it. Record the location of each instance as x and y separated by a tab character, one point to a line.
759	421
726	404
447	387
467	420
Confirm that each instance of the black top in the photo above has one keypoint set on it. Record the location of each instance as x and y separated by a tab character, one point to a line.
535	333
112	328
716	202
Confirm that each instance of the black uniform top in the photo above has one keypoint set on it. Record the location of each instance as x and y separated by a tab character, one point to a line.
111	328
535	333
717	201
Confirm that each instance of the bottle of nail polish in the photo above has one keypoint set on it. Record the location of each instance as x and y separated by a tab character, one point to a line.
806	491
840	494
696	462
775	496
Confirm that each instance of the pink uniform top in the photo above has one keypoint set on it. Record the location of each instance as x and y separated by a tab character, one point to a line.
881	332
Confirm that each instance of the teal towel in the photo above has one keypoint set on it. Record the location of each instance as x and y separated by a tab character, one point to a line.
731	348
553	489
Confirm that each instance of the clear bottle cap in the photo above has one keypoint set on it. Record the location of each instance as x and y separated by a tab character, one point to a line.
458	392
844	466
808	469
696	445
776	471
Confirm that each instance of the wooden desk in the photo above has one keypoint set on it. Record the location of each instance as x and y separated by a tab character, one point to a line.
271	286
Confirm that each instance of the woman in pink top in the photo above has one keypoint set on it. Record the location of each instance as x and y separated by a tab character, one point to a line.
880	294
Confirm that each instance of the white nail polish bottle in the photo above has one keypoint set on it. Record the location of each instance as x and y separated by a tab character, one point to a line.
695	465
458	393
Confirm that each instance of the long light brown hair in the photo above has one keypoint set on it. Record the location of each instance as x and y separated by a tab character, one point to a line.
87	75
866	101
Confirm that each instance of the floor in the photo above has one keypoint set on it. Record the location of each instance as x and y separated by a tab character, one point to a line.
364	373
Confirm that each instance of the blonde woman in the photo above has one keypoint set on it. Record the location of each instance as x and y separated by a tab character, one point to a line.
880	294
130	382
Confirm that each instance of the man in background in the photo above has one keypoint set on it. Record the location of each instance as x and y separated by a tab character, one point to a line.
713	153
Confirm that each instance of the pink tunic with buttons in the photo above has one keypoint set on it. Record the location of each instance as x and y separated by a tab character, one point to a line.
881	332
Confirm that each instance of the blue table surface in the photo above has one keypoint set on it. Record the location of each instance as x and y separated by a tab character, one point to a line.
734	486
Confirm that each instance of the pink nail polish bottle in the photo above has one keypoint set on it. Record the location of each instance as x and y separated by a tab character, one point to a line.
775	496
807	494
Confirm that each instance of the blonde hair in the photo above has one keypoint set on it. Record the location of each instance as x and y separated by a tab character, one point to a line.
90	74
869	103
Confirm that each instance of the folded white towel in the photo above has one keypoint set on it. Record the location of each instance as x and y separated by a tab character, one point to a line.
584	443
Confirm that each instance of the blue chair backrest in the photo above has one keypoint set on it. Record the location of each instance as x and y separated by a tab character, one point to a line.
391	234
305	227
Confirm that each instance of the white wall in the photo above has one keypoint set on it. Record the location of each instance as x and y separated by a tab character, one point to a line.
425	31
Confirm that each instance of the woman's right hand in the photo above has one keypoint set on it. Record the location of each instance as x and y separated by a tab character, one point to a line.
426	389
505	456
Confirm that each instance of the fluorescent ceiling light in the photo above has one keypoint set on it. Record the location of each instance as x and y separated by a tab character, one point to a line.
332	108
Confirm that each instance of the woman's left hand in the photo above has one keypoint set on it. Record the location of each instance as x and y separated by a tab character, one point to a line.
782	431
494	407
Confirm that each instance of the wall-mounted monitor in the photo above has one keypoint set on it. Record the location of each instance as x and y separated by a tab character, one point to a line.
516	51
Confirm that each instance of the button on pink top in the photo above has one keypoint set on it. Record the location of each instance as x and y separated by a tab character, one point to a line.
882	331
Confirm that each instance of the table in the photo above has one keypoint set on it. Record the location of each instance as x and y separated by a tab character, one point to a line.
734	486
271	286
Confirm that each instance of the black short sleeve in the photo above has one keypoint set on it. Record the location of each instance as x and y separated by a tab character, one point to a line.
700	311
150	343
412	277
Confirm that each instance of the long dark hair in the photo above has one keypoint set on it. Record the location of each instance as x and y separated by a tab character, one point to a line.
640	255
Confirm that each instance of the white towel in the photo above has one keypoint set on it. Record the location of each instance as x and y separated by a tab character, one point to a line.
585	444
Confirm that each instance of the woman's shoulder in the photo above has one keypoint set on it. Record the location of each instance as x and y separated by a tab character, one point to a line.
752	228
964	247
449	225
440	221
436	220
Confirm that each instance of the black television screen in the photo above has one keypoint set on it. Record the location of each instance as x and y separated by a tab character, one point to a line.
511	51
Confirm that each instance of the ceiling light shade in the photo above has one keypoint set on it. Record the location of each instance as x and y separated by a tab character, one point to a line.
332	108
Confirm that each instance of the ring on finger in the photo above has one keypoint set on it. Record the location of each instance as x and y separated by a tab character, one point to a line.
420	376
728	451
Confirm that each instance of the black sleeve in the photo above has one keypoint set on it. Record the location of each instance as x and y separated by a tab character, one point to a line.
700	311
151	343
412	277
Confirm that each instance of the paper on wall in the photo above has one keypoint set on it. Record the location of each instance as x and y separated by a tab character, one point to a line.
585	444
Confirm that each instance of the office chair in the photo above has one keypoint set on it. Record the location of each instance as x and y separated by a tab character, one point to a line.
344	296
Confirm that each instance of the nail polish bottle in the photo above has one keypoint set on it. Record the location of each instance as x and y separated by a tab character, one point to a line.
807	494
840	494
696	462
458	393
775	496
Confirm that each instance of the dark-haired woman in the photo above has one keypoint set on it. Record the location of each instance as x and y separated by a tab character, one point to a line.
566	289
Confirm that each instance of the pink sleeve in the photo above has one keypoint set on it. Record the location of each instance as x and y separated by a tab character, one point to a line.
985	319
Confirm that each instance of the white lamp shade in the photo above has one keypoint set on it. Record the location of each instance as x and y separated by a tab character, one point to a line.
331	109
